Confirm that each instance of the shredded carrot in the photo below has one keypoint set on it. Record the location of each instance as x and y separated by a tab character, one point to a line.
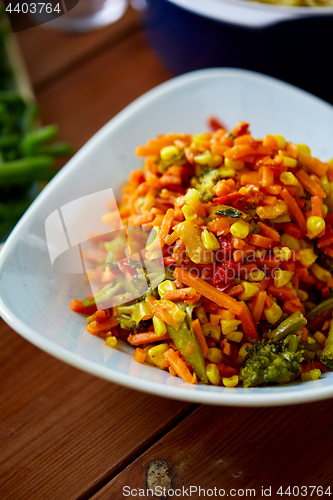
207	290
146	338
180	367
294	209
269	232
139	355
182	294
96	328
309	184
261	241
78	307
196	325
319	168
267	176
258	306
317	206
247	323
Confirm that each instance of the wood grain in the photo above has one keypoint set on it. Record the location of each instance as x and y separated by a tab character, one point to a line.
82	101
49	53
241	448
65	433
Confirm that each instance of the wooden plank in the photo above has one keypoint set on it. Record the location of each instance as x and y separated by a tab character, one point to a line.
85	99
64	433
50	53
239	448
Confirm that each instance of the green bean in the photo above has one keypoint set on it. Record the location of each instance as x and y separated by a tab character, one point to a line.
10	96
26	169
107	292
323	307
56	149
187	343
290	325
33	139
10	140
29	117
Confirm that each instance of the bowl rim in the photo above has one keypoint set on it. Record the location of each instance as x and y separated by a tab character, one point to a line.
229	397
249	13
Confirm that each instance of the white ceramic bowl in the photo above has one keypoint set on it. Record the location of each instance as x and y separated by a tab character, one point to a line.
248	13
34	297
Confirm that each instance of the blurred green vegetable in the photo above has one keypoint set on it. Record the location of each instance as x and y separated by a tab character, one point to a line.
27	155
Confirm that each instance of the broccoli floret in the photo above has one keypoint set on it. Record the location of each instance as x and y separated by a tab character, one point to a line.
269	361
207	181
327	355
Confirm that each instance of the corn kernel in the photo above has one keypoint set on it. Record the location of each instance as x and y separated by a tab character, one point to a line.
215	161
289	162
111	341
192	195
325	183
204	158
213	374
209	240
320	337
156	353
236	165
240	229
215	355
201	315
302	295
321	273
243	352
250	290
234	336
256	275
281	142
311	340
311	375
166	286
159	326
289	179
168	152
210	330
230	381
283	253
325	210
281	278
227	172
273	314
189	214
281	219
290	242
315	225
259	253
148	358
305	244
229	325
303	149
308	257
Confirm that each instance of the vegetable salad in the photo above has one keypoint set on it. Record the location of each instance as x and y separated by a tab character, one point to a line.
244	230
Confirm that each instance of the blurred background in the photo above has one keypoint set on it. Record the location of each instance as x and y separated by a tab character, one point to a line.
79	70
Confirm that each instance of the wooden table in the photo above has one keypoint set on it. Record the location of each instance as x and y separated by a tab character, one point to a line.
68	435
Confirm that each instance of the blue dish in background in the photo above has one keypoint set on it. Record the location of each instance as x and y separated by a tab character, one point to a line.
290	43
